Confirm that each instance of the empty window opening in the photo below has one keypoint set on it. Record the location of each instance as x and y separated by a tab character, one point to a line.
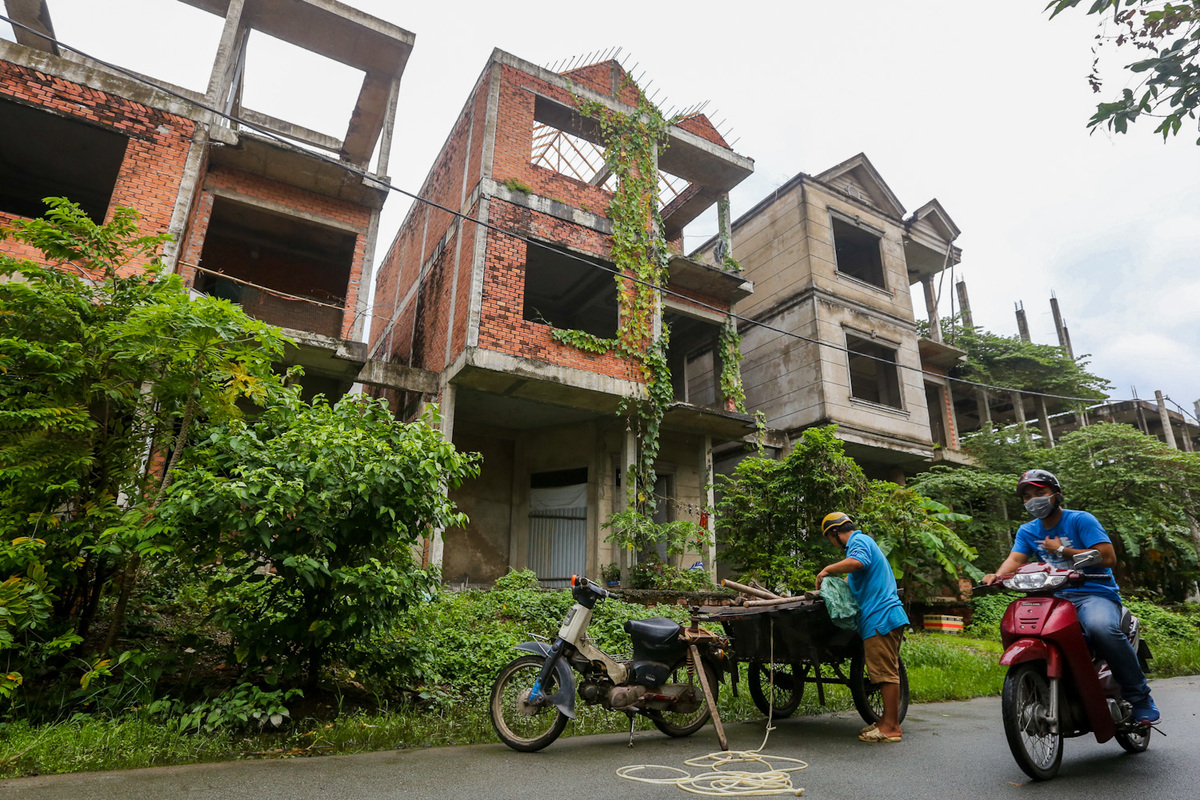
570	292
558	505
45	155
857	253
693	360
255	257
874	376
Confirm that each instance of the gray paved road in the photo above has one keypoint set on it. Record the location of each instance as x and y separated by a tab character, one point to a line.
950	751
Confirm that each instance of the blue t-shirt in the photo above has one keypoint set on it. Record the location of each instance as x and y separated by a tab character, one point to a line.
874	588
1078	530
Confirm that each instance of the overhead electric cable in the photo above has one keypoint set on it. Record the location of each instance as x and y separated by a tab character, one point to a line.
388	186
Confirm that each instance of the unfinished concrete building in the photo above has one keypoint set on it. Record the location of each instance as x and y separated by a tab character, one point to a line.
262	211
479	305
833	258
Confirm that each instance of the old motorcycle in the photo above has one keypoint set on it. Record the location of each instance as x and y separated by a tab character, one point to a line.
1056	688
534	695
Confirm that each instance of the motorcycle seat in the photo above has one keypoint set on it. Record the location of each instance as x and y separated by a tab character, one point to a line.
1127	621
656	631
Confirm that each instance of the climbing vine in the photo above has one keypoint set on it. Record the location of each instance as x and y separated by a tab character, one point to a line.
639	252
730	342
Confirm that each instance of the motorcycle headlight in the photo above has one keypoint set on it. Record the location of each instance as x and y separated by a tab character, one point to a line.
1034	581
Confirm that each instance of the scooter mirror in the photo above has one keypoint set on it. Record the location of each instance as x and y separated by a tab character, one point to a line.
1088	558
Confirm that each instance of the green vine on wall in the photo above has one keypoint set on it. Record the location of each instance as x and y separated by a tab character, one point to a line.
587	342
730	343
639	253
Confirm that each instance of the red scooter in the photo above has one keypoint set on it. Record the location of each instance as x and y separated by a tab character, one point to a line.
1055	688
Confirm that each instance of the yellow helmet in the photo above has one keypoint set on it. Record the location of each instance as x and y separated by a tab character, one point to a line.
834	520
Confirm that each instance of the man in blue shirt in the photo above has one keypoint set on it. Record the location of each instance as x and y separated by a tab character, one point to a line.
881	615
1054	536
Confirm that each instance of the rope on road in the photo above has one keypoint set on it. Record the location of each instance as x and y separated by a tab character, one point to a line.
721	782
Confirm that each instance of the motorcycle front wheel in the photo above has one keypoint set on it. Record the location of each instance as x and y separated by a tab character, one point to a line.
788	683
1025	707
678	725
868	697
522	725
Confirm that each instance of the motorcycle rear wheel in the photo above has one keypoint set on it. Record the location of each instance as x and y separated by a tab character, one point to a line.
679	725
868	697
520	725
1135	741
1025	705
788	684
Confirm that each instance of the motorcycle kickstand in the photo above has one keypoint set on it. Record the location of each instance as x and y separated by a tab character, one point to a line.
632	719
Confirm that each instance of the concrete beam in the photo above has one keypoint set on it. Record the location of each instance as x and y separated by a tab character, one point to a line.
366	121
36	15
291	130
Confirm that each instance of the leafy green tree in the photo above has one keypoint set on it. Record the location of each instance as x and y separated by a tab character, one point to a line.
1011	361
1167	34
914	532
105	365
769	514
1145	494
311	512
986	497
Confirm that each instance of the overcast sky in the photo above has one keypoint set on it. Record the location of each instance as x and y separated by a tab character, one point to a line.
981	105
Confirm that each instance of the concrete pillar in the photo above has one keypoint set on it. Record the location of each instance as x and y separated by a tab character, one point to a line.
984	404
1019	409
965	303
1165	419
1022	323
724	230
627	558
446	409
935	327
1045	420
1063	340
706	475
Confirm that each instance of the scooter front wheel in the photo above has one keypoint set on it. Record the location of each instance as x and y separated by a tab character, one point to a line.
1025	707
520	724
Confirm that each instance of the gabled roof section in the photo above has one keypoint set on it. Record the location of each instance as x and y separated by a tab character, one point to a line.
858	178
933	216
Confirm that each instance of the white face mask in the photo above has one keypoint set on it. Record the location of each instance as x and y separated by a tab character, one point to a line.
1040	507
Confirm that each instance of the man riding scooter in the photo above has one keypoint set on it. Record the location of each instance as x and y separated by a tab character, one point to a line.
1054	536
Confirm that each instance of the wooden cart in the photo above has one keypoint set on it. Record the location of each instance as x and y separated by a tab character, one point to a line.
793	644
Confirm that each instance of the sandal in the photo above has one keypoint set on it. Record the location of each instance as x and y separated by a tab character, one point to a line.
876	736
867	728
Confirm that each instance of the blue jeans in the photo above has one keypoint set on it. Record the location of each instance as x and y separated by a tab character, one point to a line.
1101	620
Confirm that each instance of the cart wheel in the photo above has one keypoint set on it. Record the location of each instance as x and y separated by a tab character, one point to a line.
868	699
788	680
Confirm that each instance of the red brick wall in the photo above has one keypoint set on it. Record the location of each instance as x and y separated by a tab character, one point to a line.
154	157
299	199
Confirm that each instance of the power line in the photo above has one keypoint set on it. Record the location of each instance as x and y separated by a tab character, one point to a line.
388	186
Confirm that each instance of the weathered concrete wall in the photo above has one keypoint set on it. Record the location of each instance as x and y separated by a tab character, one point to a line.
479	553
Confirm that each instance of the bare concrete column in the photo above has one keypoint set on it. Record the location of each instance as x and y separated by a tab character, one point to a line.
446	408
627	558
935	327
1045	420
985	408
706	475
724	229
1019	409
964	303
1165	419
1063	341
1022	323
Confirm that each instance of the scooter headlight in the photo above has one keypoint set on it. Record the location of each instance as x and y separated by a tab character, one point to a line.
1034	581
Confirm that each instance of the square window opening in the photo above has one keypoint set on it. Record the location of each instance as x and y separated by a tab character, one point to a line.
45	155
874	376
253	257
570	292
857	253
